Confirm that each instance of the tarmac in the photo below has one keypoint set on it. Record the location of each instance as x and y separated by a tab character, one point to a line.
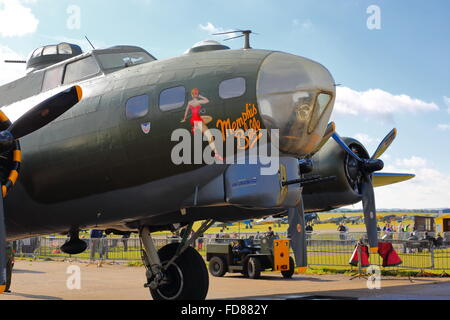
51	280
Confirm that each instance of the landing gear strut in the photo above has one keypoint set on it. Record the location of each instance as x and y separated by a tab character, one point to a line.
177	271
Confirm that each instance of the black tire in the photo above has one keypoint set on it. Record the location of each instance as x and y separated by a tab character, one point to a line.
217	267
187	277
253	269
289	273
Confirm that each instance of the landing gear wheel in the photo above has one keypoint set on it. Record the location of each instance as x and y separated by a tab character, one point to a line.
186	279
253	268
289	273
217	267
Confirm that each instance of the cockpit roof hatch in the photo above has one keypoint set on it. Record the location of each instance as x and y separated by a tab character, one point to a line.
48	55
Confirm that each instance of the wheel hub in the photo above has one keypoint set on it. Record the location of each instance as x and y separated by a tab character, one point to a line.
172	283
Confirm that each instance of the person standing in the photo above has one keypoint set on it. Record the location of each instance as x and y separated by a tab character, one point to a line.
270	233
9	265
342	229
96	246
125	238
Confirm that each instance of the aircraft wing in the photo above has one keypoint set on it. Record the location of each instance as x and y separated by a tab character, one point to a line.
381	179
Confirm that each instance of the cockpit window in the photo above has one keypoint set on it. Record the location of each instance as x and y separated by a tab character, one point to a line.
322	101
64	48
116	61
232	88
137	107
50	50
81	69
37	52
52	78
173	98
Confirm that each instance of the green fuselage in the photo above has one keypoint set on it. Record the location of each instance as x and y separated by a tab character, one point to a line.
95	167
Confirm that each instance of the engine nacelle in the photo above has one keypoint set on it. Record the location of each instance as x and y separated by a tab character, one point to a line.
332	160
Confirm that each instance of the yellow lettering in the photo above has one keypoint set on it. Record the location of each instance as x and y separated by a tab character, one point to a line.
246	122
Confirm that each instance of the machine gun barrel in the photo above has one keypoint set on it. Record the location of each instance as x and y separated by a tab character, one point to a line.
309	180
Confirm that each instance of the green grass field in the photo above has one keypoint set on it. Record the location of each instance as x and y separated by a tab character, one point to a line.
320	258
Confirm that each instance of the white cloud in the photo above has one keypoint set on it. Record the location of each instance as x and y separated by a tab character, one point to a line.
211	29
16	20
10	71
413	162
444	127
365	139
378	102
429	189
447	102
304	25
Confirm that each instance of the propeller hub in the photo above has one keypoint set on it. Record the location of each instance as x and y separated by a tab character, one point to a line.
373	165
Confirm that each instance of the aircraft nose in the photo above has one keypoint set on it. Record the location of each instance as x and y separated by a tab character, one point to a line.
296	96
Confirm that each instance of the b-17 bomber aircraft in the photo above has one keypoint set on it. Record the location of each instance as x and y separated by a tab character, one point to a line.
97	140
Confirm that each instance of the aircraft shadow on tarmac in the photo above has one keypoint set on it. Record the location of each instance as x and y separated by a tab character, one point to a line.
32	296
429	290
27	271
275	278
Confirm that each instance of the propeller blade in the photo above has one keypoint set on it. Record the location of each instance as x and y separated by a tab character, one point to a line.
384	145
46	112
344	146
297	235
2	248
370	213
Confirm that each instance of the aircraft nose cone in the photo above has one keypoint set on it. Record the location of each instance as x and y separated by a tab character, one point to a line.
296	96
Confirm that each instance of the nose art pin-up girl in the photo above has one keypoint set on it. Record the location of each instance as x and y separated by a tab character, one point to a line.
199	122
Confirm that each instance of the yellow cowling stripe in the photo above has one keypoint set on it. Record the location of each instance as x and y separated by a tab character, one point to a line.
17	156
3	117
13	176
79	92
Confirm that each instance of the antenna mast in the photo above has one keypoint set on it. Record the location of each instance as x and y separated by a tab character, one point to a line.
245	33
90	42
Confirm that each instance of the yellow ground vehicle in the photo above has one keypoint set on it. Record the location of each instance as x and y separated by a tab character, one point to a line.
443	224
250	257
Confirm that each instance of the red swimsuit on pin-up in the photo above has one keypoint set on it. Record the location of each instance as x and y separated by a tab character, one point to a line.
195	116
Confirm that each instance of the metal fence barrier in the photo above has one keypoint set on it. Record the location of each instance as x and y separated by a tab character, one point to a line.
331	250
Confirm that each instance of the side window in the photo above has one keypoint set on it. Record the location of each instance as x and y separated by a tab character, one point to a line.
52	78
173	98
137	107
232	88
81	69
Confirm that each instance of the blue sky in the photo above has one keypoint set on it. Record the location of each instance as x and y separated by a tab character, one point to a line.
396	76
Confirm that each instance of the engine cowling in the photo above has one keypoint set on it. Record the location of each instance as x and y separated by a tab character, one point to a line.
345	190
